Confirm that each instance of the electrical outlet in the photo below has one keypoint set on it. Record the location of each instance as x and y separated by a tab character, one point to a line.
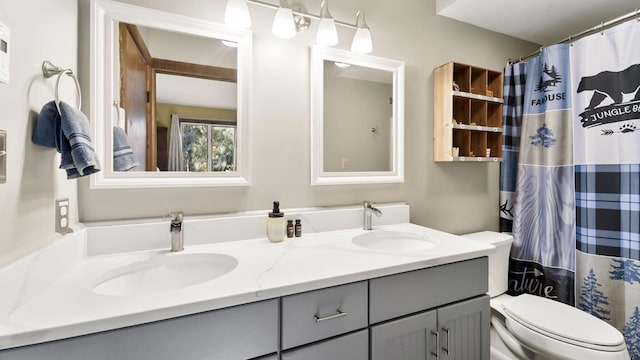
345	163
62	216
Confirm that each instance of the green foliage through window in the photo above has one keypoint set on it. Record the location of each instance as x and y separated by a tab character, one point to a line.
208	146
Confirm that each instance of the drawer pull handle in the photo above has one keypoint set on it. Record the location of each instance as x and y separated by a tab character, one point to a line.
437	352
448	349
339	313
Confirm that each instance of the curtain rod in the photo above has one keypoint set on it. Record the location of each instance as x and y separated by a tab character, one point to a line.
603	26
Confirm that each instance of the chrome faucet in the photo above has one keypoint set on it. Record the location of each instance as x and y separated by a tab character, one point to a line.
175	227
368	210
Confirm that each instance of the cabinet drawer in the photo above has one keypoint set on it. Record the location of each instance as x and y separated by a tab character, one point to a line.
349	347
397	295
319	314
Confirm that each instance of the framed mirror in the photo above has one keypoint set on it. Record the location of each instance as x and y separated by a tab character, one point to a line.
357	118
169	99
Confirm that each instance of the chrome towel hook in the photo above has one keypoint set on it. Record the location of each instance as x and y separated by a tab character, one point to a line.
49	70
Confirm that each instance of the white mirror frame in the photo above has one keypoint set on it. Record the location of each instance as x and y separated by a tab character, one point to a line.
318	175
104	15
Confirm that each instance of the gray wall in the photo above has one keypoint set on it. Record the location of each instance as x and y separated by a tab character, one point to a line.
40	30
453	197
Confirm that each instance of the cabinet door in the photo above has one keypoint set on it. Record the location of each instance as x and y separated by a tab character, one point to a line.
409	338
239	332
349	347
464	330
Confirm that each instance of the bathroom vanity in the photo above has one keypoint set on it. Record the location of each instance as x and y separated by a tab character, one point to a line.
335	294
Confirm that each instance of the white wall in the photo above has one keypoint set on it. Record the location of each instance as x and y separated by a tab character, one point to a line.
40	30
456	197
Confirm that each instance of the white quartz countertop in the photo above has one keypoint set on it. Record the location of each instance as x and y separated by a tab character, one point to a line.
68	307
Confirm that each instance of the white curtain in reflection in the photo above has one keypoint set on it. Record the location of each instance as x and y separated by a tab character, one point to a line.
176	160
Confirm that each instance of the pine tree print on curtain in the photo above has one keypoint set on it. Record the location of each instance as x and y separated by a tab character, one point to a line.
592	300
606	121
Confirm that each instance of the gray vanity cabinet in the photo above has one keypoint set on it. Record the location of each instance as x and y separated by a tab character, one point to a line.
412	312
240	332
459	331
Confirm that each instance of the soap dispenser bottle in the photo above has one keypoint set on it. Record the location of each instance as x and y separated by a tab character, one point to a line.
276	224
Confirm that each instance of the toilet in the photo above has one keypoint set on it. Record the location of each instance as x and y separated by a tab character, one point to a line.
533	327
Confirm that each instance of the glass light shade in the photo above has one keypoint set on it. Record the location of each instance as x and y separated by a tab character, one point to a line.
283	24
362	43
327	34
236	14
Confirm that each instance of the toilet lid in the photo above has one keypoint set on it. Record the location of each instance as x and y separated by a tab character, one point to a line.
563	322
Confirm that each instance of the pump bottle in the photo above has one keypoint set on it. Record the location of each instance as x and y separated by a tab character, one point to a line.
276	224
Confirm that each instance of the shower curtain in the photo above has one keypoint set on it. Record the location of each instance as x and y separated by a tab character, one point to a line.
575	205
176	159
606	82
543	251
515	77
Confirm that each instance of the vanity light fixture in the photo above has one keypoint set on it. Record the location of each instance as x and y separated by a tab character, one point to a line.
283	23
294	17
236	14
327	34
361	43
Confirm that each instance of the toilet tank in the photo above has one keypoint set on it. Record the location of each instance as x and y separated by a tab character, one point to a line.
498	261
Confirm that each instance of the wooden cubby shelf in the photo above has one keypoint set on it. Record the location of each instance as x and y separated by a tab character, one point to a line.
467	113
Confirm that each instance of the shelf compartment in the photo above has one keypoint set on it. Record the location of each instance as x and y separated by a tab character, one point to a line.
478	143
478	113
478	81
462	76
494	115
494	142
494	83
461	110
462	140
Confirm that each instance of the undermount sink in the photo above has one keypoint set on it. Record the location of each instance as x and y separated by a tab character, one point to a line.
163	272
393	241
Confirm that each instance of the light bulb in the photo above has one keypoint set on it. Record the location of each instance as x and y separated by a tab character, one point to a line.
361	43
283	23
327	34
236	14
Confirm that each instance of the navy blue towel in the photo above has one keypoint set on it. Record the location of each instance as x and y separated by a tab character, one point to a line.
68	132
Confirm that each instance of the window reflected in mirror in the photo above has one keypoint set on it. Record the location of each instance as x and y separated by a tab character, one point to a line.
208	145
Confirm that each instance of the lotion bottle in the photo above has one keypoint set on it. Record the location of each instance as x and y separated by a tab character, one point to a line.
276	224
